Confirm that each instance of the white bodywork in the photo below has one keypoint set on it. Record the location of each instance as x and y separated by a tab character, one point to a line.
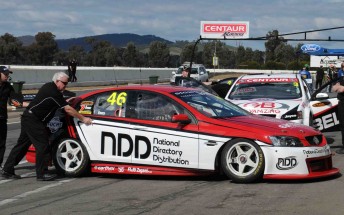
295	109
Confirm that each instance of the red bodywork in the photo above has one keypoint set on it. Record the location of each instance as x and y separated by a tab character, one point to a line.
252	127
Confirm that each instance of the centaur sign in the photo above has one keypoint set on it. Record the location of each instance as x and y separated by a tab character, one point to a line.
224	29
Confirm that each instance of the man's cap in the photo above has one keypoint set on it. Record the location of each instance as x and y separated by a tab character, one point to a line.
186	68
5	70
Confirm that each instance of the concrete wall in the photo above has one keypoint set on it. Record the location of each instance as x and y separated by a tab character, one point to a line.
35	76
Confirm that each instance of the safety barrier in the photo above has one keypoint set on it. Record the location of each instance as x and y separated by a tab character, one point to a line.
36	76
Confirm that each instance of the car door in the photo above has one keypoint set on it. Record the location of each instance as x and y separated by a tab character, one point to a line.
108	138
158	141
325	110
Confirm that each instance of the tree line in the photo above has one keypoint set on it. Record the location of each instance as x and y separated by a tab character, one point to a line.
278	53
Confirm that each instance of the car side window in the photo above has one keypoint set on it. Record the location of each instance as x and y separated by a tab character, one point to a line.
202	70
112	103
151	106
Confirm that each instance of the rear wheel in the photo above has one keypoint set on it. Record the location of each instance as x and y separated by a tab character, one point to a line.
242	161
71	158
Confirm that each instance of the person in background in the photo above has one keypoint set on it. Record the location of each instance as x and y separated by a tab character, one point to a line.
33	127
339	88
186	71
72	70
305	74
319	77
332	74
7	93
341	70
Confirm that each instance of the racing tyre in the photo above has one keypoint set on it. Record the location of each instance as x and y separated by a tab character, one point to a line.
71	158
242	161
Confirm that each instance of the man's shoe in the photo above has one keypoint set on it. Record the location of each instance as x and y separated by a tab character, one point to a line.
46	177
8	175
340	151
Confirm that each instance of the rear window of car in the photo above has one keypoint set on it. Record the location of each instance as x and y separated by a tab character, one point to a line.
275	88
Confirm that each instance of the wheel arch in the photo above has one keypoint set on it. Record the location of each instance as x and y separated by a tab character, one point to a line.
218	161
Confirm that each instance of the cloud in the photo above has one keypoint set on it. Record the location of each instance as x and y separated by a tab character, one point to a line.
171	20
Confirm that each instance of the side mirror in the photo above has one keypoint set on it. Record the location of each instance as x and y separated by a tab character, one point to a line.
181	118
173	72
322	96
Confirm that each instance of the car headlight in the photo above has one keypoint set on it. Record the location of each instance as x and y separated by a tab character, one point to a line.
285	141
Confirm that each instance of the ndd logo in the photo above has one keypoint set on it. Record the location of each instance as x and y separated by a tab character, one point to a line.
286	163
133	145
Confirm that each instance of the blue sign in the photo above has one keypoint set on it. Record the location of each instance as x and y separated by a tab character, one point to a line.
314	49
310	48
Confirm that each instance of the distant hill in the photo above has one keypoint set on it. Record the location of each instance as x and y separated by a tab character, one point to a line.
27	40
117	40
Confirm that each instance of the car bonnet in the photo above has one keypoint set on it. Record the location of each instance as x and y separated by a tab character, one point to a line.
266	106
268	126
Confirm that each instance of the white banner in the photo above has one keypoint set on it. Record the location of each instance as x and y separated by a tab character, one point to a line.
325	61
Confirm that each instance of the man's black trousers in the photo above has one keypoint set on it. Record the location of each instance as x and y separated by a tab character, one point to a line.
33	131
3	136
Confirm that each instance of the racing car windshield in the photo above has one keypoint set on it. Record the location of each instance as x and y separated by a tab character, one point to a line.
289	89
211	105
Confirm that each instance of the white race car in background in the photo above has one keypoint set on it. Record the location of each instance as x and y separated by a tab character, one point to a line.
198	72
284	96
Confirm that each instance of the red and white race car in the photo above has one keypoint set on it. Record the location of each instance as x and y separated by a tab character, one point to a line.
285	96
166	130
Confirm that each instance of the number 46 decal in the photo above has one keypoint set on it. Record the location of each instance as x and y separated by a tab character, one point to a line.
119	100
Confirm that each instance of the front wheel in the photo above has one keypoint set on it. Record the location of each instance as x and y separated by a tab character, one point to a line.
71	158
242	161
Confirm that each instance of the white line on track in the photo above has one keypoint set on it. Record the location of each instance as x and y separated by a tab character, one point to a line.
9	123
23	176
38	190
21	162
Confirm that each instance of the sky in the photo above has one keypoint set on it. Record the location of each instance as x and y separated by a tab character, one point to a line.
173	20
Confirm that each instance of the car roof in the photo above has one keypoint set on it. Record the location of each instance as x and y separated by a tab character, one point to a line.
275	75
193	65
155	88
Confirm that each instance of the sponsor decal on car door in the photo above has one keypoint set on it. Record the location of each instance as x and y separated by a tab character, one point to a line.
168	147
116	142
108	141
325	114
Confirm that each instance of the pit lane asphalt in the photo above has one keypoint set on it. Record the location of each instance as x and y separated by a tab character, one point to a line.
119	194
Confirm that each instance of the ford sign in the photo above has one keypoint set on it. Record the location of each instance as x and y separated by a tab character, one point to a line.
307	48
